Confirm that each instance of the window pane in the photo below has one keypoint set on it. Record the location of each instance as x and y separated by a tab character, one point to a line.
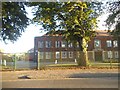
40	44
70	45
115	43
57	54
97	44
48	55
70	54
64	43
48	44
110	54
109	43
64	54
116	54
41	55
57	44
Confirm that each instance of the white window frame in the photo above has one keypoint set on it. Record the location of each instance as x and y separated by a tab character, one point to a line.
63	43
41	55
115	43
48	44
57	54
57	44
64	54
48	55
40	44
110	54
70	54
109	43
70	45
97	43
116	54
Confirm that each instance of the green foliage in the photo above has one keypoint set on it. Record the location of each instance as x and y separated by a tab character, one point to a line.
76	21
14	20
114	20
114	17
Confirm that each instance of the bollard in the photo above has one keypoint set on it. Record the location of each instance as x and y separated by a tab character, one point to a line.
75	60
55	61
4	63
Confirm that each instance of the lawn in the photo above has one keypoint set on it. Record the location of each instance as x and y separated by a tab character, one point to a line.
92	64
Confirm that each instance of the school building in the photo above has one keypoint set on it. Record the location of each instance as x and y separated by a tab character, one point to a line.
53	47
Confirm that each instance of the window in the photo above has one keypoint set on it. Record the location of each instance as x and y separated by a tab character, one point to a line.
41	55
115	43
64	54
57	44
57	54
48	44
70	45
110	54
109	43
116	54
97	43
64	43
70	54
48	55
40	44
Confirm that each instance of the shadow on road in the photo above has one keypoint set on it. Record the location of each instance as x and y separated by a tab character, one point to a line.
94	75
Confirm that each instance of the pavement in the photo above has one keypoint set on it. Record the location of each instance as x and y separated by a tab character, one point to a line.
61	78
62	83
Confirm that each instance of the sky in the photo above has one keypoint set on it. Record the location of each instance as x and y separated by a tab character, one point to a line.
26	41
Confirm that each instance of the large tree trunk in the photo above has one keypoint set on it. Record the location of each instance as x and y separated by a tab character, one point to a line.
83	59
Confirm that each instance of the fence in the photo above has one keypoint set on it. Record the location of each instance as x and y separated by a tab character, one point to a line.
26	60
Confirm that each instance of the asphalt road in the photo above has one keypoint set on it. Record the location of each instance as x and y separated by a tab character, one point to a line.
63	83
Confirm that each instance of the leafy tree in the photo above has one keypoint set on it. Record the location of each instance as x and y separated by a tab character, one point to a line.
113	20
14	20
114	17
76	21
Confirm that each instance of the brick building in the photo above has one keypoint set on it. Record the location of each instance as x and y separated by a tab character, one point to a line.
51	48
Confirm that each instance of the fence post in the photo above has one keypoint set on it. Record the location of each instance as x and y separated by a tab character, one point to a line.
93	55
1	61
75	61
4	63
14	61
55	61
38	62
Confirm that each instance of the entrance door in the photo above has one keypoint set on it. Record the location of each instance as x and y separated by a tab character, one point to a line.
98	56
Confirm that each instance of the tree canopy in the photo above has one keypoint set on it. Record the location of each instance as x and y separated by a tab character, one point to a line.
14	20
76	20
113	20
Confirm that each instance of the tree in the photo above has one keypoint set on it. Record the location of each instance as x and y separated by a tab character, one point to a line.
113	20
114	17
76	21
14	20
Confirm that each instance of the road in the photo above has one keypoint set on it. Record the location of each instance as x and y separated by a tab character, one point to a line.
63	83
